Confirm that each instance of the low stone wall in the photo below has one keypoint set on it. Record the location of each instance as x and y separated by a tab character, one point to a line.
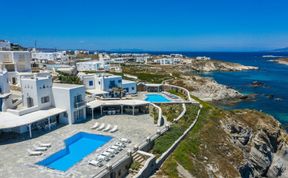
182	113
178	89
165	155
160	120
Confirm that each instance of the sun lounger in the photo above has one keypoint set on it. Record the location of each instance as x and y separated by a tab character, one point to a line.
44	144
120	144
113	151
34	153
125	140
114	129
96	163
116	147
95	125
108	154
39	148
102	158
101	127
108	127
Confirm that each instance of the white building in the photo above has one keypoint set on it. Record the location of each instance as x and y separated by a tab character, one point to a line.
168	61
44	57
5	45
202	58
105	85
92	66
44	105
16	63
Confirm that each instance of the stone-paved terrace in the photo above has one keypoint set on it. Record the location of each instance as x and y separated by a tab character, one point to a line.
15	161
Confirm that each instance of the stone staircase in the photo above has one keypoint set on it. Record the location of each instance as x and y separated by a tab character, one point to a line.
138	162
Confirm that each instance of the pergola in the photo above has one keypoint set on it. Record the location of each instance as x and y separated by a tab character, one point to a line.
9	120
121	103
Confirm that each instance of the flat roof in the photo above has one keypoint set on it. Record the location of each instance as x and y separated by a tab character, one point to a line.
98	103
66	86
9	120
127	81
153	85
96	92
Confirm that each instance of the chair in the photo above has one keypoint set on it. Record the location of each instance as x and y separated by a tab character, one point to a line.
108	127
96	163
34	153
116	147
39	148
44	144
101	127
114	129
95	125
125	140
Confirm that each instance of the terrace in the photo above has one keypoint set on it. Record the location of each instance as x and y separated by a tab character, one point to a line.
19	164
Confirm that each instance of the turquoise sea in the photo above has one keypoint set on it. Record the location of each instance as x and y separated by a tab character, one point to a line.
272	98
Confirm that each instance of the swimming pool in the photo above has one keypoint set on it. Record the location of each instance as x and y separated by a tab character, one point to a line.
76	148
156	98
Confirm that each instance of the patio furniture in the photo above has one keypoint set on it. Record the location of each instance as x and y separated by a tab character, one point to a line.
39	148
97	124
44	144
114	129
107	128
125	140
34	153
96	163
116	148
101	127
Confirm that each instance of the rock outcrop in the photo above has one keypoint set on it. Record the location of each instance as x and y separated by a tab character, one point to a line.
264	147
215	65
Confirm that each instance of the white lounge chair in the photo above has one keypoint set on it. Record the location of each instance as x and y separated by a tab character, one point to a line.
34	153
107	128
101	127
114	129
107	154
113	151
120	144
44	144
119	148
95	125
102	158
125	140
96	163
39	148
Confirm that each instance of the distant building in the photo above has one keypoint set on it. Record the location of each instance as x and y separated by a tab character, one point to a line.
44	57
105	85
92	66
202	58
16	63
168	61
5	45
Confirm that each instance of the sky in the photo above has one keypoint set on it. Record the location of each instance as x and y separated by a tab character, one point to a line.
158	25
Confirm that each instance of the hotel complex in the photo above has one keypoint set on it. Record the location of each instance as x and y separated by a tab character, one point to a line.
95	128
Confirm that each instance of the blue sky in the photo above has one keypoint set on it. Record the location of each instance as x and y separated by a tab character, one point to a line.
194	25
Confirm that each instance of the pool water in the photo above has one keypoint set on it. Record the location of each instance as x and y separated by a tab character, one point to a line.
157	98
76	148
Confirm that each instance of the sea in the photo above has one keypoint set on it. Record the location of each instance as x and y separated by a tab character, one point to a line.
272	97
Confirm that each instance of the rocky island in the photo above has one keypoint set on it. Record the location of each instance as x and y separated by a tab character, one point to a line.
281	61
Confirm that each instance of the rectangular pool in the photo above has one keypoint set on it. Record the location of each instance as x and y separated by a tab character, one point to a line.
156	98
76	148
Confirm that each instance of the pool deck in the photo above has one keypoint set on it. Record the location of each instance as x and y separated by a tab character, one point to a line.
15	161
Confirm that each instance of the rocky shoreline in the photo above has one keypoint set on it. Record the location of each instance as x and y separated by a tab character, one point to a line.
283	61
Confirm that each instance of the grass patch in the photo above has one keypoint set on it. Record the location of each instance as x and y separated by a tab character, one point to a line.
162	143
177	93
171	111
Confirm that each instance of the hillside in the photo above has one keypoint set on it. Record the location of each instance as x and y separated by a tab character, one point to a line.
240	143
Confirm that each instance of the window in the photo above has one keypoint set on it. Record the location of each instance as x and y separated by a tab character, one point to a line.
91	83
45	99
133	88
119	81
